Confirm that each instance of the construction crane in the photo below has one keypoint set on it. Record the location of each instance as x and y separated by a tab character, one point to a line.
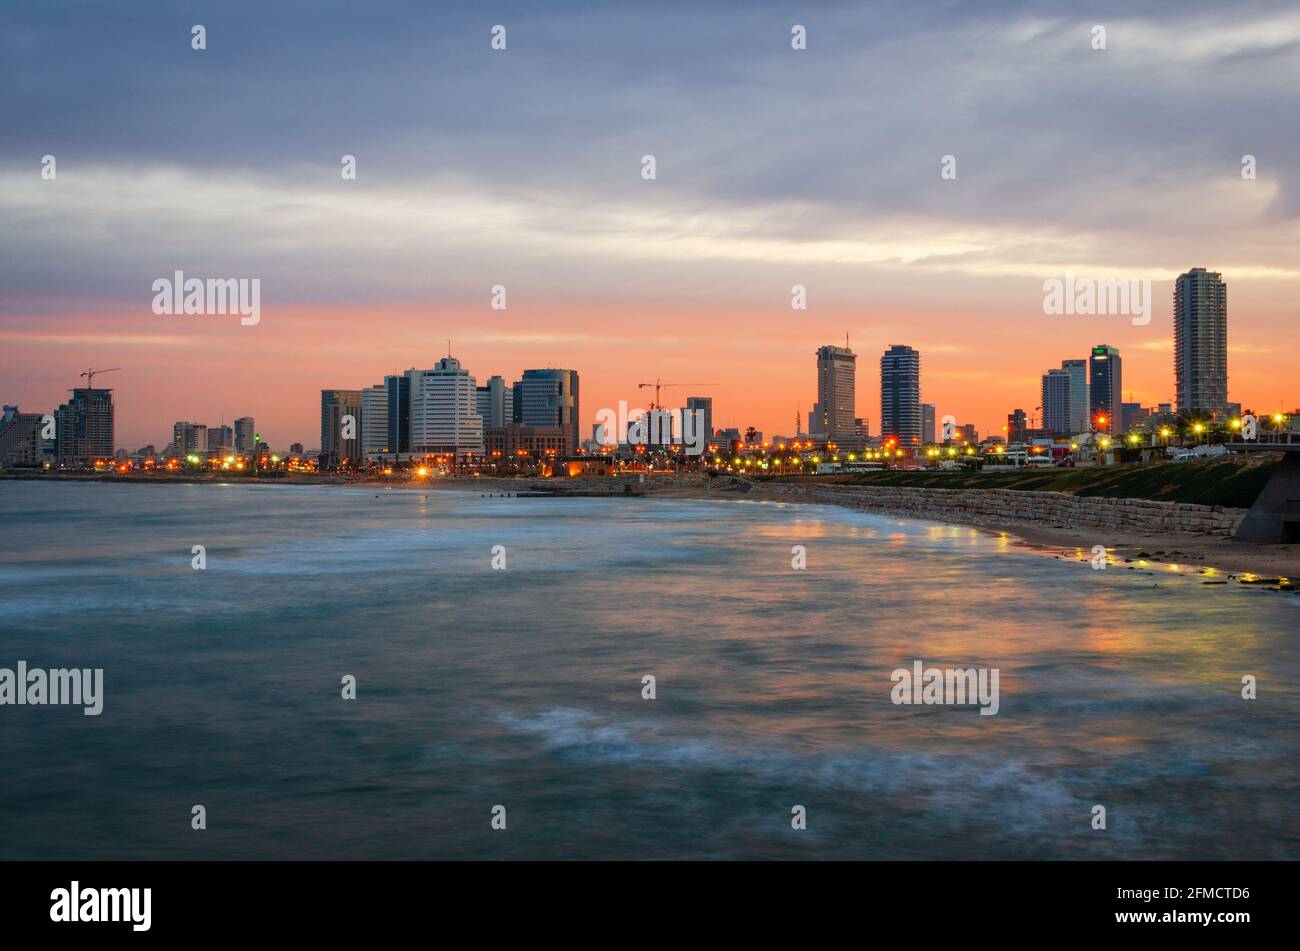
90	375
659	384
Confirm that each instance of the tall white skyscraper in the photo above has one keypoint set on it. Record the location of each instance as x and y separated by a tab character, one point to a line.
444	410
1201	341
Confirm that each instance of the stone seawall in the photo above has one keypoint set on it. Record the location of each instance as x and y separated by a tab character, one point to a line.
1048	509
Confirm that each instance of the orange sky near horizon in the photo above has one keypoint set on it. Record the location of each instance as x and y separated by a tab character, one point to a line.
976	364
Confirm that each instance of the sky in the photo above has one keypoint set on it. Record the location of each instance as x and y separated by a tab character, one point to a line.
522	168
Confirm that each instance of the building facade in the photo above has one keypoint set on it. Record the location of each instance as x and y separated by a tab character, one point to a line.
220	437
444	410
1201	342
189	437
1105	380
83	427
1017	426
548	398
900	395
399	411
702	405
245	434
1055	398
374	419
340	442
495	403
836	404
20	438
509	442
1080	406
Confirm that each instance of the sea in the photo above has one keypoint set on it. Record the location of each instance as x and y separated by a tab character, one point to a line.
499	650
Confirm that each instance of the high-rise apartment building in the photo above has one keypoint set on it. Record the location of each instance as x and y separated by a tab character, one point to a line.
927	423
1201	341
900	395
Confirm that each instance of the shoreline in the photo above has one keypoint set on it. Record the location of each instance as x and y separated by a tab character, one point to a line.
1220	558
1166	553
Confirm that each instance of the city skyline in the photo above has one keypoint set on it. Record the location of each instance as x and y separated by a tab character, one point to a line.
827	355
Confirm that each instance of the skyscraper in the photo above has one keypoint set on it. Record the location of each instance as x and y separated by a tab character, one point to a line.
83	427
399	411
444	410
1056	401
244	433
1104	388
549	398
335	407
1201	341
900	395
836	394
374	419
1079	403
